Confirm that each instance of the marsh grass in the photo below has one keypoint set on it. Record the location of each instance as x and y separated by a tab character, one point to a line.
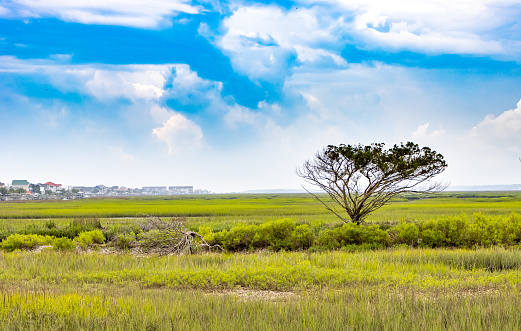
261	207
416	268
345	309
385	289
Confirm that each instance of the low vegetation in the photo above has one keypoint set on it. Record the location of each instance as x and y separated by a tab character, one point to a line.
154	235
280	271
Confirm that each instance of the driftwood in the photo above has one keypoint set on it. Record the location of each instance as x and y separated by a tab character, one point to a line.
171	237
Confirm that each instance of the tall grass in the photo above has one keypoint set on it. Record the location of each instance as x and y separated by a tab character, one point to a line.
420	269
347	309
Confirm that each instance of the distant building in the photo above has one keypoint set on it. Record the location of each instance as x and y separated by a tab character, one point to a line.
20	184
50	186
2	184
181	189
154	188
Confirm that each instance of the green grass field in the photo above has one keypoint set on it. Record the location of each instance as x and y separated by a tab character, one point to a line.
395	288
262	206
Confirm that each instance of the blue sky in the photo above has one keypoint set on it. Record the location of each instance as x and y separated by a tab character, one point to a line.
234	95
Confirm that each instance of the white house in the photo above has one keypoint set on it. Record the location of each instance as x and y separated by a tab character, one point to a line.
20	184
50	186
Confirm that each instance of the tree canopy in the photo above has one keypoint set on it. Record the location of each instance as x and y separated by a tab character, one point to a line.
362	178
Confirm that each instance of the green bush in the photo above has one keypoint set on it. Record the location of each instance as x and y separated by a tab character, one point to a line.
512	229
432	238
208	234
87	238
63	243
113	231
406	233
302	237
454	228
352	234
446	231
240	237
275	234
25	241
125	241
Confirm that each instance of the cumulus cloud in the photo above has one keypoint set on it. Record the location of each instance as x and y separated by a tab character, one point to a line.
485	154
104	82
134	13
240	115
143	85
505	127
422	133
264	42
179	133
432	26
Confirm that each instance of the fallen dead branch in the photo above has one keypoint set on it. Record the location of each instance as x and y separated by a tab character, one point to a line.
171	237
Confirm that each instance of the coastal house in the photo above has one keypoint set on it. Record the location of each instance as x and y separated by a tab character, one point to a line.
50	186
20	184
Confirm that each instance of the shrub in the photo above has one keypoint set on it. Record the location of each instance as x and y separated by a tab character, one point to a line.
302	237
240	237
125	241
87	238
454	228
208	234
447	231
485	231
432	238
352	234
113	231
512	228
79	225
63	243
25	241
275	234
406	233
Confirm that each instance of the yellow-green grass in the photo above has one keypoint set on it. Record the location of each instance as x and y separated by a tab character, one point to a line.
401	289
420	269
220	209
346	309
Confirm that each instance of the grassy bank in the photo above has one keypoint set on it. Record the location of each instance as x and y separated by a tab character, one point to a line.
400	289
347	309
422	269
394	288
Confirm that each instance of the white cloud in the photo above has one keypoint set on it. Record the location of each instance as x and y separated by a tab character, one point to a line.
240	115
263	42
485	154
160	114
131	82
179	133
123	155
104	82
4	11
506	126
433	26
133	13
422	133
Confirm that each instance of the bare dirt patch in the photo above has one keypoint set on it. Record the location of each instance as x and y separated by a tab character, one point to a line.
256	295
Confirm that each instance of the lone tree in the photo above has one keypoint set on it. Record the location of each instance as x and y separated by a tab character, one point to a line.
361	179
